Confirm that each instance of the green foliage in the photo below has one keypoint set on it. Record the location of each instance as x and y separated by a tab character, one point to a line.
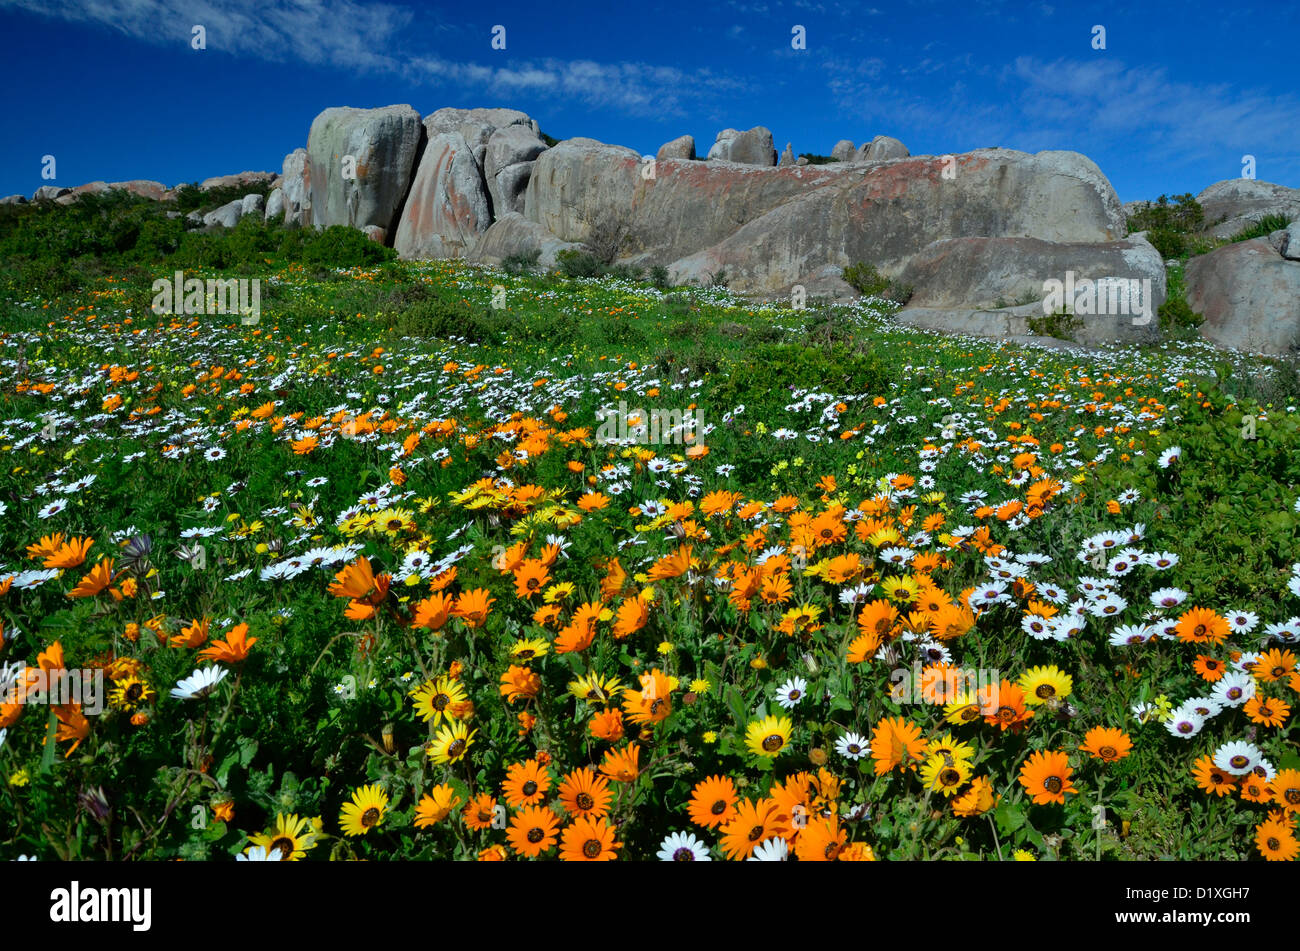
659	277
1226	504
1176	315
1172	227
817	159
438	318
575	263
521	261
869	282
765	375
1262	228
1062	325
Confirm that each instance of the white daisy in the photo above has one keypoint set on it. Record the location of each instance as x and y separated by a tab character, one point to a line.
1168	597
683	847
1234	689
1185	726
54	508
1237	757
258	853
200	683
774	849
852	746
791	692
1170	456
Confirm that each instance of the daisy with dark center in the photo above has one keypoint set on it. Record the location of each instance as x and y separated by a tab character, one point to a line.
769	736
451	743
434	699
1202	626
1210	669
944	774
1046	777
130	692
754	823
527	650
713	802
291	835
589	840
1274	665
584	793
526	784
683	847
1237	757
1267	711
1107	744
1276	841
533	830
481	811
365	811
1211	779
1285	787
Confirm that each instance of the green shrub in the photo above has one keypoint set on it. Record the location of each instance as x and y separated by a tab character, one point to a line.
765	375
521	261
659	277
1262	228
1175	314
439	318
1172	227
575	263
869	282
817	159
1062	325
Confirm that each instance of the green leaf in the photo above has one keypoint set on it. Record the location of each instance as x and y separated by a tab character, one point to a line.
1009	818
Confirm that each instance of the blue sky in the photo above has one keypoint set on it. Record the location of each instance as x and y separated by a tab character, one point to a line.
113	89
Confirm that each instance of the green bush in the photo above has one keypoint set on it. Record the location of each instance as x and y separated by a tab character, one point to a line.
1172	227
765	375
1175	314
574	263
439	318
869	282
1262	228
659	277
1062	325
521	261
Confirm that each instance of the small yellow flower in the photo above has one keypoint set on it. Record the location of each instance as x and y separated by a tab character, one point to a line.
20	778
665	647
710	736
700	685
1021	855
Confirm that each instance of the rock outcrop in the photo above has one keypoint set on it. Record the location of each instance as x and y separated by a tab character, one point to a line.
752	147
448	207
1114	289
1238	203
682	147
1249	295
361	164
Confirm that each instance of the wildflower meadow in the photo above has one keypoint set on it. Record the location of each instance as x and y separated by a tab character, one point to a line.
432	561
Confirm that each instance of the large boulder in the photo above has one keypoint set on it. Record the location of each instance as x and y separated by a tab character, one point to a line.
1114	289
752	147
274	206
1289	244
508	164
227	216
883	148
50	192
1238	203
888	212
682	147
383	142
687	206
1249	295
478	126
252	204
295	184
787	157
448	206
156	191
13	200
240	178
844	151
513	234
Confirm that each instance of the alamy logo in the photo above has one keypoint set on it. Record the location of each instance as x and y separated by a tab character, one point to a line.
74	904
1104	296
54	687
214	296
657	426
